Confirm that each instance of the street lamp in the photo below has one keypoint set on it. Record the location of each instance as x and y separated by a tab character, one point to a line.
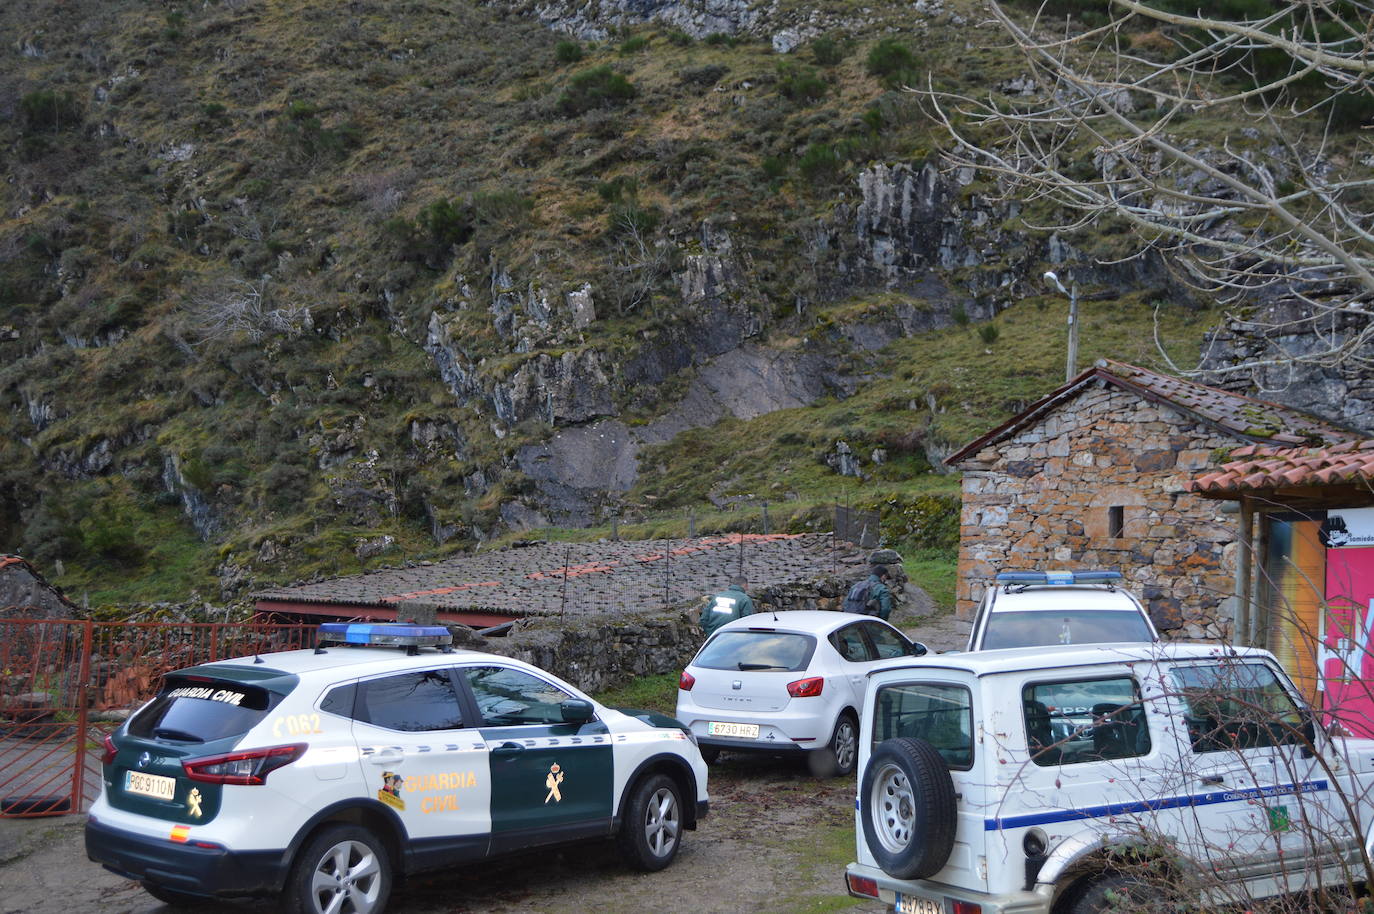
1072	294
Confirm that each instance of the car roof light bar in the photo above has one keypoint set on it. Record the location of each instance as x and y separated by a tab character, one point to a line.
384	634
1057	577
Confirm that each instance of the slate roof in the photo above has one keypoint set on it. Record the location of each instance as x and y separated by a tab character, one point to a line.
1259	468
1244	418
529	581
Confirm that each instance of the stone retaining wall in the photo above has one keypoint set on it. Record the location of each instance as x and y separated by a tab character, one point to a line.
595	652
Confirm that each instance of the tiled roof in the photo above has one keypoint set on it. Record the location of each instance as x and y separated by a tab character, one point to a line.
1281	468
1245	418
530	581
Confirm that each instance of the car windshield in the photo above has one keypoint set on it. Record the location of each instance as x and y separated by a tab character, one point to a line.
753	650
1078	626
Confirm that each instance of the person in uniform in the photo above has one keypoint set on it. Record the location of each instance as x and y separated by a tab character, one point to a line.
730	603
879	597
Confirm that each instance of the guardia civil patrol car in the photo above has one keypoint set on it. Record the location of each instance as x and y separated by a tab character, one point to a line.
322	776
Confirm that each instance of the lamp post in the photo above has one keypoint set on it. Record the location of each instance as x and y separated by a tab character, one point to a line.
1072	295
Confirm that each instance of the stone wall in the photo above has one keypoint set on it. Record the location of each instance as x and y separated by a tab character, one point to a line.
610	649
1043	498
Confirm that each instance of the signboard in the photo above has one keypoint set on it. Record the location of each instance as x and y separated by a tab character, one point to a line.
1348	528
1347	637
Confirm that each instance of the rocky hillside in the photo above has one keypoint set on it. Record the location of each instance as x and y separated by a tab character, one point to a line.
299	285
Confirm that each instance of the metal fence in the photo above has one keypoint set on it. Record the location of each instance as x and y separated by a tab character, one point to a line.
853	525
66	683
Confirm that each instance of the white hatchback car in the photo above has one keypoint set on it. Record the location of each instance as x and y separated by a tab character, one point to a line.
1034	608
787	682
322	776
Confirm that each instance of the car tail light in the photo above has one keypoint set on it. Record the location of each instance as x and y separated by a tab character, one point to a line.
806	688
686	681
108	756
862	886
247	768
966	907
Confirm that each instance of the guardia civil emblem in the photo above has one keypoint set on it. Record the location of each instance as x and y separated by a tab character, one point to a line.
552	782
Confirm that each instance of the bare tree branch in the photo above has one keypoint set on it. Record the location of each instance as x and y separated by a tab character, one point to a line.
1279	209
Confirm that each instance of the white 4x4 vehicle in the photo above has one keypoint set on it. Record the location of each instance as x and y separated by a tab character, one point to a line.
323	775
1026	608
1123	777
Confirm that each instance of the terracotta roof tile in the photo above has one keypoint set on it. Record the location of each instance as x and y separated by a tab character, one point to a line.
1267	468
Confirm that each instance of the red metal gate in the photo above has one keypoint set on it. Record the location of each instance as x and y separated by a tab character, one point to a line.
66	683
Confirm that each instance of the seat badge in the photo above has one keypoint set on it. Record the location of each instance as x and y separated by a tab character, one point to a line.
737	685
553	781
144	760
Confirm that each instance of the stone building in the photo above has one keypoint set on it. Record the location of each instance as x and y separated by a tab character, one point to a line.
1096	475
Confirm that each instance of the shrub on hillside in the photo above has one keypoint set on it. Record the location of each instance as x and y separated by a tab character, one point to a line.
567	52
826	51
799	84
820	163
305	131
633	45
599	87
891	61
44	109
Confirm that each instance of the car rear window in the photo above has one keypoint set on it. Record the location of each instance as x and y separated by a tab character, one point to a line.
938	713
202	710
757	650
1032	628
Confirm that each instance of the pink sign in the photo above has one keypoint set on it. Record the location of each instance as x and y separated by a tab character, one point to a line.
1347	658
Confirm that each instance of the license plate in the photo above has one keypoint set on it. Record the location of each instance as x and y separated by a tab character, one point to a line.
724	728
909	904
150	785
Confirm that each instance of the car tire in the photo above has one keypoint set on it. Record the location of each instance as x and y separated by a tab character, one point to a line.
172	898
1118	893
840	754
844	744
342	860
710	755
908	808
651	828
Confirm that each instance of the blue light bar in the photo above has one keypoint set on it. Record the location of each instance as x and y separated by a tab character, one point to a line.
1057	577
388	634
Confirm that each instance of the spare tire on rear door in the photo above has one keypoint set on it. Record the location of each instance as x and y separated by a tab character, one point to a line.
908	808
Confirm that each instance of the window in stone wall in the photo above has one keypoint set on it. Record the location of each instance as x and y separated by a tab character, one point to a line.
1116	521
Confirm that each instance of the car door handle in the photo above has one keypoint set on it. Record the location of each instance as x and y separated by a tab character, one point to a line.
386	756
508	751
1212	780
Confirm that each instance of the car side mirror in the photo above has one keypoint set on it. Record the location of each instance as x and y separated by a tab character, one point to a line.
577	711
917	649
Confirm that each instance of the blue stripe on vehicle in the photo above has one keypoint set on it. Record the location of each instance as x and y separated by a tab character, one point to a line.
1123	809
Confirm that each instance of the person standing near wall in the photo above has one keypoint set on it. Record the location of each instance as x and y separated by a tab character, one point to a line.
731	603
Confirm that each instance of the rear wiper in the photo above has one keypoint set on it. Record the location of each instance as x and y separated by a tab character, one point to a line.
760	666
179	735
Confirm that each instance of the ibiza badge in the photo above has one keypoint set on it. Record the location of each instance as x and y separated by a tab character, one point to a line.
553	781
193	802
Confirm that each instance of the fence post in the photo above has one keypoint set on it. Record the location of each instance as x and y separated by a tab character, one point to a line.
82	721
765	518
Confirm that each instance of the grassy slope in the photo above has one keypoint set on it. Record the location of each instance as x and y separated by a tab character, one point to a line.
314	129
